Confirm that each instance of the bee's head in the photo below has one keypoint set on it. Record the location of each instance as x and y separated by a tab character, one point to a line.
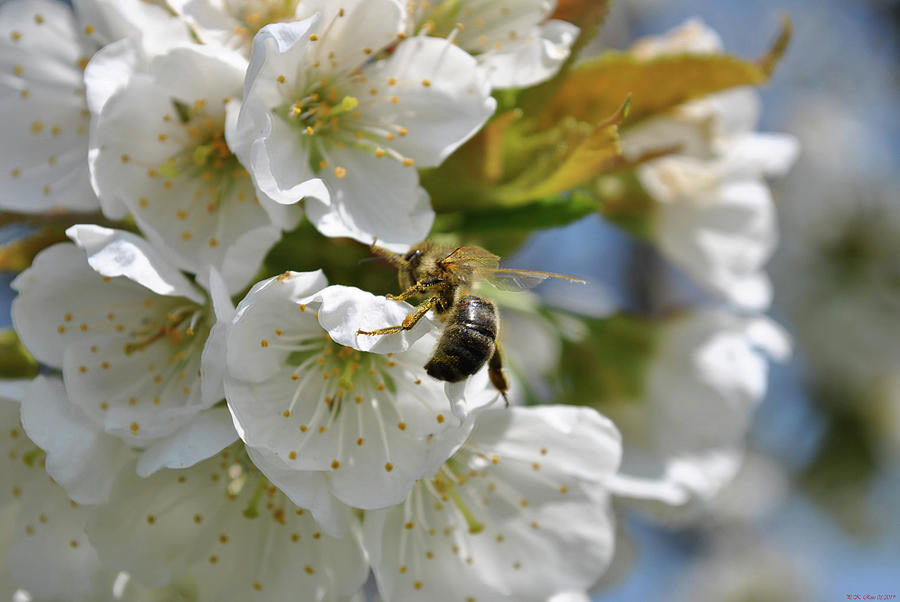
409	264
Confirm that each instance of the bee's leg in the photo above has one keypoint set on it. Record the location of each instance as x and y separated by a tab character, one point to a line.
418	288
495	372
408	322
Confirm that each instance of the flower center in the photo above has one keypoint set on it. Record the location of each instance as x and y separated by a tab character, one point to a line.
252	16
181	324
205	156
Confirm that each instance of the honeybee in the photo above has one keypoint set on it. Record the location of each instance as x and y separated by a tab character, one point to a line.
447	277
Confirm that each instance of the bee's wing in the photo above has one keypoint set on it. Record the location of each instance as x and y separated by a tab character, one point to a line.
517	280
474	257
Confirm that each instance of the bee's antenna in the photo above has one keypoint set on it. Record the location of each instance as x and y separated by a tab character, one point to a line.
394	259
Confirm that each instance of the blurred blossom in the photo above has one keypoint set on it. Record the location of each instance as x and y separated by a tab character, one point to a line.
684	438
714	215
514	42
740	567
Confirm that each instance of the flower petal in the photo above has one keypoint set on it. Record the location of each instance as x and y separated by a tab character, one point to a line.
371	423
205	436
228	515
344	310
349	32
709	375
80	456
265	310
52	558
531	59
521	512
45	125
186	190
118	253
376	198
442	98
61	298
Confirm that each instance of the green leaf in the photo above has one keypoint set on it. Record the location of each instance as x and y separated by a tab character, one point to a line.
15	361
595	88
595	151
546	213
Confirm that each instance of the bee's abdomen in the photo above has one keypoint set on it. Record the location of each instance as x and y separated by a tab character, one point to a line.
467	342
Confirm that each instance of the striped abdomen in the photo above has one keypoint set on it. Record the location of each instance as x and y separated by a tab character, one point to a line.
467	342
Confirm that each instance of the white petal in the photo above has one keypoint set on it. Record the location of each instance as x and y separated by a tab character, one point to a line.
770	337
119	253
372	424
110	70
61	298
723	240
378	198
52	558
307	490
485	23
205	436
344	310
266	145
187	192
533	484
349	32
708	377
692	37
267	308
45	125
191	73
220	511
532	59
13	390
111	20
141	395
7	534
759	154
439	116
22	470
472	394
80	456
214	357
570	597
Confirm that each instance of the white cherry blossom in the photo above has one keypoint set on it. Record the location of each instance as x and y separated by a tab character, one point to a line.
520	512
79	455
126	328
322	120
43	52
48	552
715	217
245	539
685	441
44	49
233	23
513	40
325	411
158	148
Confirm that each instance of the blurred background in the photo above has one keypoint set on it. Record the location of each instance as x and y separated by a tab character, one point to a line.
813	514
